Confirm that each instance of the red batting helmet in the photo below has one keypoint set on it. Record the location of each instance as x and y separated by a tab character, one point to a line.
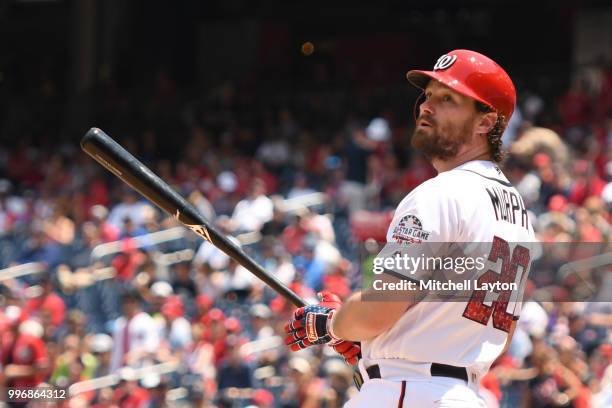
474	75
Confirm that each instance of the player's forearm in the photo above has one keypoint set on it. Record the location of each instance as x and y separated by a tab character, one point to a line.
360	319
354	322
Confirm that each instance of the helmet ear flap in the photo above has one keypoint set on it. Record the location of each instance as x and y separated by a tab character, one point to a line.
417	104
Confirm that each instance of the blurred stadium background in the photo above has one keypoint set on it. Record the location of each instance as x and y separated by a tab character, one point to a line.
288	123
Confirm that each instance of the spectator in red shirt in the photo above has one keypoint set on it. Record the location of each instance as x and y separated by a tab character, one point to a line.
129	394
9	324
575	105
108	231
48	301
293	235
28	364
586	182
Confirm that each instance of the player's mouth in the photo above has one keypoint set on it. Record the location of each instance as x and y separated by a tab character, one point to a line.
423	123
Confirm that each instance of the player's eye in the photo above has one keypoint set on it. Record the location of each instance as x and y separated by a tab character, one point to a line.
446	98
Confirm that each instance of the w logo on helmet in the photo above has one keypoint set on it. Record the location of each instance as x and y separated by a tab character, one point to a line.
444	62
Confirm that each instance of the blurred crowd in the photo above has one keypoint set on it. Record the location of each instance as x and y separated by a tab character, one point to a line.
130	318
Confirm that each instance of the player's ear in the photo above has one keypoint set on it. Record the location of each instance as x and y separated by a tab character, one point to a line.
485	122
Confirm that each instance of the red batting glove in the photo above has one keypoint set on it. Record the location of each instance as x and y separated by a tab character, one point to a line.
330	300
350	351
311	325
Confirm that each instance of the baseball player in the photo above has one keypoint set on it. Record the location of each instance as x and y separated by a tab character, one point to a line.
433	353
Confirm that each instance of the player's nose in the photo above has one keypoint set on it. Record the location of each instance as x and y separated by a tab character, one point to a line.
426	108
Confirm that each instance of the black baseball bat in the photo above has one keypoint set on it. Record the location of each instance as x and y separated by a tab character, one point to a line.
124	165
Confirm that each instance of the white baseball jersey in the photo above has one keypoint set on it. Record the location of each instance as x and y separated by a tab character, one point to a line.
472	203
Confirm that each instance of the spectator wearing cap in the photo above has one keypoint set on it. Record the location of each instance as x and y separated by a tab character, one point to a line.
127	262
150	221
216	332
203	305
10	319
157	296
107	231
233	326
177	329
101	345
223	194
135	334
260	321
28	362
157	388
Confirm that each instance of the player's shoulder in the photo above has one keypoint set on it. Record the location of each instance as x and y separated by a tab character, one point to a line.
444	186
431	196
476	171
468	179
463	184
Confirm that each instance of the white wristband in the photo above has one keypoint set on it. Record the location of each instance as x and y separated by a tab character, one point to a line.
330	324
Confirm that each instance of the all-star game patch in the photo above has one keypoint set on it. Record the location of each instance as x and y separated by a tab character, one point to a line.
409	230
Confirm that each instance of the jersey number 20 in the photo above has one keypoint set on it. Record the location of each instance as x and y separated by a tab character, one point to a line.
476	309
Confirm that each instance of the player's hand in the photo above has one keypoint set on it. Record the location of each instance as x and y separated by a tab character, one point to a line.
311	324
349	351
